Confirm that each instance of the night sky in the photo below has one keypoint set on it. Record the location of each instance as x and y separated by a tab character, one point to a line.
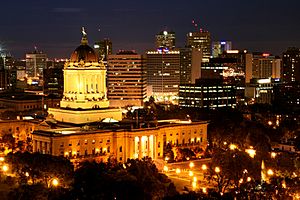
54	25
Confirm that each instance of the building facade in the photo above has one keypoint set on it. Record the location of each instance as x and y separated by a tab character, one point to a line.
207	93
103	48
163	73
190	65
262	66
200	40
119	144
165	39
219	47
291	65
36	62
126	78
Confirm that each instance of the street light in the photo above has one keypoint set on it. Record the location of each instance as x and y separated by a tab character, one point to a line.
191	173
270	172
166	169
178	171
251	152
273	155
204	167
195	179
54	182
192	165
5	168
1	159
232	147
194	185
217	169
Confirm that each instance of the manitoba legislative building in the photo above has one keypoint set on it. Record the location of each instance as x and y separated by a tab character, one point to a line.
85	126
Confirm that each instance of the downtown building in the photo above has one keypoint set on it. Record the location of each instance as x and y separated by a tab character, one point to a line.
163	73
103	48
126	78
287	94
211	90
261	75
165	39
200	40
219	47
36	62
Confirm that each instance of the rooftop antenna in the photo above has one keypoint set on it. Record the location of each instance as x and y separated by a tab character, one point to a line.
195	24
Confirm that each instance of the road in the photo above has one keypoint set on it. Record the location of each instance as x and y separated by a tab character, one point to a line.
183	174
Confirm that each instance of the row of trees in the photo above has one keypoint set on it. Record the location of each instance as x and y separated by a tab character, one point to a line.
135	179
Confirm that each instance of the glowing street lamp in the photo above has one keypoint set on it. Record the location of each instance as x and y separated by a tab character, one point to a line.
273	155
191	173
191	165
204	190
194	185
204	167
55	182
166	169
217	169
178	171
248	179
195	179
5	168
1	159
232	146
251	152
270	172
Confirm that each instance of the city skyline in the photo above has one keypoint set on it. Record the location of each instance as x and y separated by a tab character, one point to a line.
54	27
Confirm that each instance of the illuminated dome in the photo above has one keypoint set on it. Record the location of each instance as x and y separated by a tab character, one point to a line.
84	52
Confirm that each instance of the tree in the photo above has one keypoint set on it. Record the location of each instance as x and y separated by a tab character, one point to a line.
9	139
229	167
135	179
41	167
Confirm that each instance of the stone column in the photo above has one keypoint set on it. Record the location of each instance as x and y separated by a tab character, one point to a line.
140	147
148	146
154	147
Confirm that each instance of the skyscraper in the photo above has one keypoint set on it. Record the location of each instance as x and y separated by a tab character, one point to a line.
190	65
36	62
103	48
262	66
219	47
126	78
165	39
163	73
200	40
291	65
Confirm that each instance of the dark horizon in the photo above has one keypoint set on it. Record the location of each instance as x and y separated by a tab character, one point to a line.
54	26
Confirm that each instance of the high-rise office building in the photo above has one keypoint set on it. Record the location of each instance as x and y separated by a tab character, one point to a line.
126	78
53	79
36	62
190	65
200	40
262	66
220	47
163	73
291	65
103	48
165	39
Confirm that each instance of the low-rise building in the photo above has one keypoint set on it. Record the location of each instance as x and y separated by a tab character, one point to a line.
120	143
